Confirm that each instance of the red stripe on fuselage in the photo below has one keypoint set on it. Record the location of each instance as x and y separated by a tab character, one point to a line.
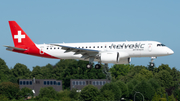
33	50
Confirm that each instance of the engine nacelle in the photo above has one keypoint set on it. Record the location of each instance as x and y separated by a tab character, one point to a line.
124	61
115	57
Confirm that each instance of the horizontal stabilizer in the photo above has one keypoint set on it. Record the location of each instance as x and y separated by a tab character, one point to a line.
10	48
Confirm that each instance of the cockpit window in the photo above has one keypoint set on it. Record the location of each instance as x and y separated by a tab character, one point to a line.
161	45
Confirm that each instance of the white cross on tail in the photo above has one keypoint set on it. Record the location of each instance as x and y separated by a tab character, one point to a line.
19	37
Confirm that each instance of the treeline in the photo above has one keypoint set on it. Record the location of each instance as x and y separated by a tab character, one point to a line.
154	84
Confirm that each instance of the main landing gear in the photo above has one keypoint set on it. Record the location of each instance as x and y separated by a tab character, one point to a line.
105	69
89	66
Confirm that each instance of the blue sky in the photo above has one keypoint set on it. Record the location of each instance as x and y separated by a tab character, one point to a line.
71	21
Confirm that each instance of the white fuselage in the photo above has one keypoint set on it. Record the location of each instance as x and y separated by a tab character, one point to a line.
132	48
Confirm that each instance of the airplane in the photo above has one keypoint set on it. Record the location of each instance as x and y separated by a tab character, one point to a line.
102	52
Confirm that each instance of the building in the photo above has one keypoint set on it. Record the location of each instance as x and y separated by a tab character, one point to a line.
80	83
37	84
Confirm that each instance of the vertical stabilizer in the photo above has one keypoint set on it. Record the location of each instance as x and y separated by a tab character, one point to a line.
20	38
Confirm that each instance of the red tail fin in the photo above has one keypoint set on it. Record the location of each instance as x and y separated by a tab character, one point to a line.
20	38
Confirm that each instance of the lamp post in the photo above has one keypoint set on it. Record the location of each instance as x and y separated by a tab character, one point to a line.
139	93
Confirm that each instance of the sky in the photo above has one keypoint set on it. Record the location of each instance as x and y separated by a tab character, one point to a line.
71	21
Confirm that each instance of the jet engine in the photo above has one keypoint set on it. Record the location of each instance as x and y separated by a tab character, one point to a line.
115	57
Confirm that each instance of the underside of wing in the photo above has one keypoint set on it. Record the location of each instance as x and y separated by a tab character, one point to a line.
86	53
10	48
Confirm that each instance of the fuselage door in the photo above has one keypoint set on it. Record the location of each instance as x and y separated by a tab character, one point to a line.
41	49
150	47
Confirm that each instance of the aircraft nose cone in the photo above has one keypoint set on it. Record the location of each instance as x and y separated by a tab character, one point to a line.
170	52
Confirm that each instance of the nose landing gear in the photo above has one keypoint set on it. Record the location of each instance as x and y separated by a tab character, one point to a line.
151	64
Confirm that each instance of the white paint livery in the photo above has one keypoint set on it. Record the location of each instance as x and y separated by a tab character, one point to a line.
107	50
102	52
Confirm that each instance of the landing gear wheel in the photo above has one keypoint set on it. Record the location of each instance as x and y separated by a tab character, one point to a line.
89	66
152	64
97	66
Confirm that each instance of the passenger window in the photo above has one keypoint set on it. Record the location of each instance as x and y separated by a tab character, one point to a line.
47	82
86	47
97	46
94	47
54	47
101	46
58	47
89	46
82	47
73	82
47	48
105	46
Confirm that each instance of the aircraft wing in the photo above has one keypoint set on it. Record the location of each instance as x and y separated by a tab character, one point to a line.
15	48
86	53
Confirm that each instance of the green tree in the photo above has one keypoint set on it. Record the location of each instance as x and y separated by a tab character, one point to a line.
3	67
36	72
162	67
9	89
134	72
48	92
3	77
74	95
4	71
66	95
123	88
107	95
74	70
21	71
115	89
89	93
118	70
145	89
146	73
164	79
177	94
130	90
131	84
25	92
3	98
157	88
